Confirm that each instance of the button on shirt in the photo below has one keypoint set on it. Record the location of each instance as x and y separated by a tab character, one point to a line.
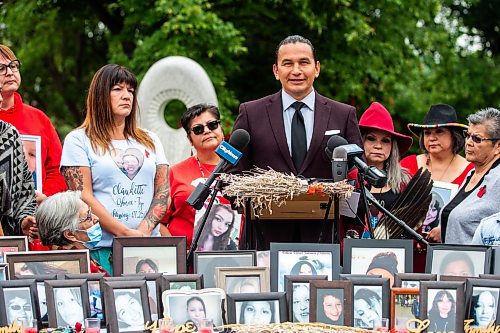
307	112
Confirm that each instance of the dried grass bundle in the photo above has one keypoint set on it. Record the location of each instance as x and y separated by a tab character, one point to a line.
292	328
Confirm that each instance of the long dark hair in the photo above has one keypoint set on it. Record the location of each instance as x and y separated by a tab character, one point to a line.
220	242
434	311
244	305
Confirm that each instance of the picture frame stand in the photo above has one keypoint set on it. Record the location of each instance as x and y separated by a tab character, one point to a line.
369	197
194	244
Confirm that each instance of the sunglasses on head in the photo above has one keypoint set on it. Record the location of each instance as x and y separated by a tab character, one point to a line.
211	125
476	138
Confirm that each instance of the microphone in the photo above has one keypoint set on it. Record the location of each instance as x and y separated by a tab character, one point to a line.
339	164
229	153
373	175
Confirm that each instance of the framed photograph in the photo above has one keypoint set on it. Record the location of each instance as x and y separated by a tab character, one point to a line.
243	279
442	193
443	304
182	282
412	280
4	271
260	308
206	262
405	306
189	307
482	297
153	288
18	301
458	260
95	294
67	302
41	295
48	262
384	257
12	244
127	306
298	296
303	259
331	302
495	260
32	146
149	255
371	301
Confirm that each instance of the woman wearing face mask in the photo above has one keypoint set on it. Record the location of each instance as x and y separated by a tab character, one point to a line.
66	222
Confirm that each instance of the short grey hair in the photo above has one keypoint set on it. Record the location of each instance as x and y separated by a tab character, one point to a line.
490	118
56	214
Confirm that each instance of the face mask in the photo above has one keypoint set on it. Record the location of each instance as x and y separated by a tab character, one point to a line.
94	234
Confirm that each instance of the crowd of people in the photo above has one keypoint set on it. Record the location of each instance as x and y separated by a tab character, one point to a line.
121	183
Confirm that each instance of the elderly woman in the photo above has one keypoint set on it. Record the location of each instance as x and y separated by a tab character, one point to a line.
66	222
202	125
481	187
441	139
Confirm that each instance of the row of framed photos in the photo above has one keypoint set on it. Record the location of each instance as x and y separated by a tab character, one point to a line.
130	302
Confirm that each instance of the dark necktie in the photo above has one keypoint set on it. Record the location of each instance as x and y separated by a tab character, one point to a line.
299	143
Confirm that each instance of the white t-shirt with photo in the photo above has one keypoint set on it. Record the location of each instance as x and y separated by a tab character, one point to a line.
123	180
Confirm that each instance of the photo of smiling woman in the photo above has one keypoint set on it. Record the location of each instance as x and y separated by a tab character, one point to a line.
331	306
258	312
18	304
442	313
129	311
216	233
69	309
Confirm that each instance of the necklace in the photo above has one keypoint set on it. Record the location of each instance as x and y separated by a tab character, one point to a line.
201	168
445	171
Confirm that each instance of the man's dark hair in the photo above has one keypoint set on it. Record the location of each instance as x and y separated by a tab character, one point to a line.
292	40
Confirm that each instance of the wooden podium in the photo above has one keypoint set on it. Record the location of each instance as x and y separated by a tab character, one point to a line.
309	208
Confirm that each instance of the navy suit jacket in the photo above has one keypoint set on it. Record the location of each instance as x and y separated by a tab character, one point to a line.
263	119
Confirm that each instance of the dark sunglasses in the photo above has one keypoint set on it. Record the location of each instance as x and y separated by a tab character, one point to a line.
14	66
477	139
211	125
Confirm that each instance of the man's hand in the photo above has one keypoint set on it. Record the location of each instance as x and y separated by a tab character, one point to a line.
434	235
29	228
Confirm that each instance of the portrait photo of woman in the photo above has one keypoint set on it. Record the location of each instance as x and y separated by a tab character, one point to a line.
129	312
484	306
367	308
258	312
18	305
196	310
217	230
442	313
69	308
146	265
300	303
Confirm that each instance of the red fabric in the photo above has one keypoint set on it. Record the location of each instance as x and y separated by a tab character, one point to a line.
180	216
410	163
31	121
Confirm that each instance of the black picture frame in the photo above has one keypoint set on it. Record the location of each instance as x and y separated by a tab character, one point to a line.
412	280
137	293
182	281
485	295
443	259
40	291
339	291
48	262
495	260
4	271
303	256
26	291
236	303
64	295
290	283
364	255
432	292
18	242
124	258
205	262
95	293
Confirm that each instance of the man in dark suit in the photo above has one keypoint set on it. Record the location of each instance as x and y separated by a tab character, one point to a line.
277	123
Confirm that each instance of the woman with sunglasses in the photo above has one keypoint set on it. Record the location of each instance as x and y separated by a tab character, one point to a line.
202	125
477	198
441	139
127	204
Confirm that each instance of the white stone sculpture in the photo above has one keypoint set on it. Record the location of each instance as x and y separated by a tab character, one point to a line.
169	79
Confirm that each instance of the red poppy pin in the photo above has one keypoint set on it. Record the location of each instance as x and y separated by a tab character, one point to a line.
481	191
146	153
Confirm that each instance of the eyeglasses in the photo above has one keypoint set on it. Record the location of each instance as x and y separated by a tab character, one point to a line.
211	125
14	66
17	307
88	217
477	138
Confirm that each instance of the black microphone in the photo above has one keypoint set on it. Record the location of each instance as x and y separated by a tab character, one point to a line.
339	164
229	153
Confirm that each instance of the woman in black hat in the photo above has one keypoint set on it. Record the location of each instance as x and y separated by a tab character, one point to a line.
441	138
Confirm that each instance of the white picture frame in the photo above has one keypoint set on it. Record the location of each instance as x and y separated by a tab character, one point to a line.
32	146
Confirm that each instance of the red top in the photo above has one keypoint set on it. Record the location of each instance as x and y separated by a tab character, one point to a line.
180	216
410	163
31	121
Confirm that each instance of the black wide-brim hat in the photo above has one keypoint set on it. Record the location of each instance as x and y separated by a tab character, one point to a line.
439	115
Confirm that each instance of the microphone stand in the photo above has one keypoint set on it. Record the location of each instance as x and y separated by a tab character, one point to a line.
399	222
361	181
196	238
